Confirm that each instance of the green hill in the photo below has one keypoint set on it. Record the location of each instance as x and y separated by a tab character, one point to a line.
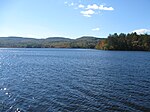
50	42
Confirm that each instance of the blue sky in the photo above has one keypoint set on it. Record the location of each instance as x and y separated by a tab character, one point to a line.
73	18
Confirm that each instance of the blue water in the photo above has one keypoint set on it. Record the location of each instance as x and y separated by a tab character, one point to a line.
74	80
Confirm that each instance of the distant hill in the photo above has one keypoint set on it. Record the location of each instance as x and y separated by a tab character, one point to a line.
50	42
130	42
57	39
85	42
87	38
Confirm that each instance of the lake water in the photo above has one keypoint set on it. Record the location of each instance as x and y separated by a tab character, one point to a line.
74	80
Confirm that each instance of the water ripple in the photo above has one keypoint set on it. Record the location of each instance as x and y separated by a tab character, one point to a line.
68	80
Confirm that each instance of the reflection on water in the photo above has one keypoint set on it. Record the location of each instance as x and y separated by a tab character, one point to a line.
66	80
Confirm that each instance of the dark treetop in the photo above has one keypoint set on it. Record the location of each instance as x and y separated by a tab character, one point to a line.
130	42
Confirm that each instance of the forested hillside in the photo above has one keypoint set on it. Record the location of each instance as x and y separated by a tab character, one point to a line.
51	42
125	42
131	41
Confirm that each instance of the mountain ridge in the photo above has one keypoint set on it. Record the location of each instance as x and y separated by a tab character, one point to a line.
50	42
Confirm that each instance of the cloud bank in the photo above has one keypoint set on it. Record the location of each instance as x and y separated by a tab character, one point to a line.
93	9
87	13
100	7
141	31
89	10
81	6
96	29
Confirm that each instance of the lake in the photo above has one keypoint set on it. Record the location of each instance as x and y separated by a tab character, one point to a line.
74	80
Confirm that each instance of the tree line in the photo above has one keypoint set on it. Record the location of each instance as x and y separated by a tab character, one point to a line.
129	42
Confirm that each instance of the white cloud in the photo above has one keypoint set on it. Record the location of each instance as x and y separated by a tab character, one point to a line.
94	7
102	7
141	31
69	4
87	13
81	6
96	29
89	10
66	2
72	4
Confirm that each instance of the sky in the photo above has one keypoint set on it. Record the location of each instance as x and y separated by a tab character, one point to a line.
73	18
